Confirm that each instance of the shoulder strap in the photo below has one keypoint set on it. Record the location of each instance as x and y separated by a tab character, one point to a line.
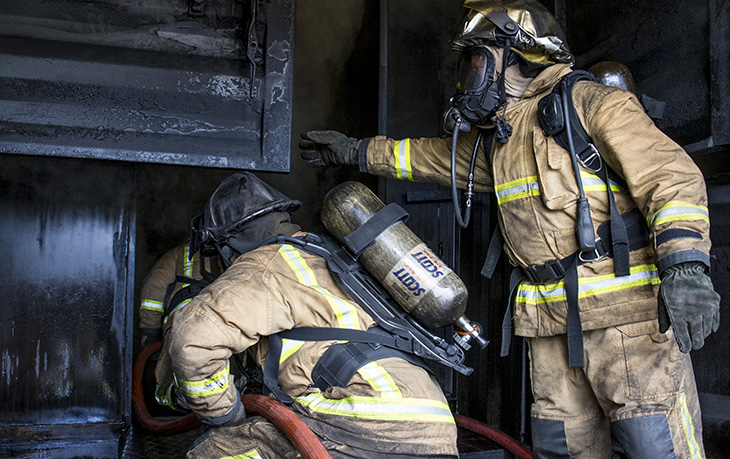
401	333
552	120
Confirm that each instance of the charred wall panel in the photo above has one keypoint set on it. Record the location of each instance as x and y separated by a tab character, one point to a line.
205	84
664	44
66	326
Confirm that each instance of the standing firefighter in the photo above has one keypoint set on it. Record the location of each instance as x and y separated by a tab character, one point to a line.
607	229
390	408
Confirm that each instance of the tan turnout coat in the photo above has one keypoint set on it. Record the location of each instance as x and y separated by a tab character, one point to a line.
537	191
389	407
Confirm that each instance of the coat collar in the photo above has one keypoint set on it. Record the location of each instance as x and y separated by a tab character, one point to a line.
546	80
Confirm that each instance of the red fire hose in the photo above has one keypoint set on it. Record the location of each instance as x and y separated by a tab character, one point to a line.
282	417
497	436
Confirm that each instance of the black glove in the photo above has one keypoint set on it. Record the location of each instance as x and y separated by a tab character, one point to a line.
149	335
688	301
324	148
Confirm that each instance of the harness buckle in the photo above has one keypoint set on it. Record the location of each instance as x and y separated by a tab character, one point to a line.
550	271
597	254
593	156
556	269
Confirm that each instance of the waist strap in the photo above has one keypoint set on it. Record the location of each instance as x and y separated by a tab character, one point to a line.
638	237
342	360
567	269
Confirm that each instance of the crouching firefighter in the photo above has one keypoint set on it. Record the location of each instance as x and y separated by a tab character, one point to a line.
175	278
603	217
390	406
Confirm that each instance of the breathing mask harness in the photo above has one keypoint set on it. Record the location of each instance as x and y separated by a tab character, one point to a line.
477	98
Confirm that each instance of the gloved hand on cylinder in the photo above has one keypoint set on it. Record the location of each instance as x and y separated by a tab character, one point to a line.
325	148
688	301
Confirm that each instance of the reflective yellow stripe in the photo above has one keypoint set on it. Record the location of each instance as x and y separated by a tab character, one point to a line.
385	409
344	311
165	400
152	305
215	384
187	263
592	182
675	211
588	286
177	308
380	380
689	429
288	348
402	153
253	454
517	189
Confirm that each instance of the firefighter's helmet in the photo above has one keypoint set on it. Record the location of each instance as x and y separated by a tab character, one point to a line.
240	198
532	29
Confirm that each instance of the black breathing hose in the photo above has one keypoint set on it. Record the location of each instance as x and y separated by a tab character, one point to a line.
463	222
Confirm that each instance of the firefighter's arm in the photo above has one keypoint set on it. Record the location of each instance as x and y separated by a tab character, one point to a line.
670	190
200	349
228	317
426	160
152	295
662	179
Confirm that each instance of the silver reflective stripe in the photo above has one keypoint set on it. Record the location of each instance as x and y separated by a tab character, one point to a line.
674	211
187	263
380	380
177	308
592	182
517	189
253	454
689	429
152	305
402	153
289	347
217	383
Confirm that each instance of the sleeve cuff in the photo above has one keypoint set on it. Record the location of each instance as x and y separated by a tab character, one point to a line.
362	156
681	257
151	334
233	418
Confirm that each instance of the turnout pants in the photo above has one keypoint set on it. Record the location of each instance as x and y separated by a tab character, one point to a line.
258	438
636	385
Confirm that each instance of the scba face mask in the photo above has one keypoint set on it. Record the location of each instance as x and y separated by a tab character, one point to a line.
477	94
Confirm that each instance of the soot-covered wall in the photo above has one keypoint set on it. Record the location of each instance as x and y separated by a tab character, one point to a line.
60	352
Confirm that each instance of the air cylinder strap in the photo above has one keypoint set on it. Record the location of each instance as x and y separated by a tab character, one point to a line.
193	288
364	235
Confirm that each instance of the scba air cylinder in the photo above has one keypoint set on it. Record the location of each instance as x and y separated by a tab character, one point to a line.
405	266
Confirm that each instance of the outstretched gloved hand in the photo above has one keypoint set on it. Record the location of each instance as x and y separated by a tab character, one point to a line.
324	148
688	301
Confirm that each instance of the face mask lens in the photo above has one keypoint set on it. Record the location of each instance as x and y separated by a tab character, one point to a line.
474	69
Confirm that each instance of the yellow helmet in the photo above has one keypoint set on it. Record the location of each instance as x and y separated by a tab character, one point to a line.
532	30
